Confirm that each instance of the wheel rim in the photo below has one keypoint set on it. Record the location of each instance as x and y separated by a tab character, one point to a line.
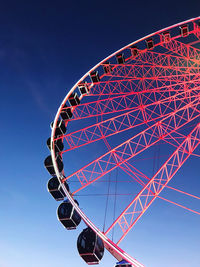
110	245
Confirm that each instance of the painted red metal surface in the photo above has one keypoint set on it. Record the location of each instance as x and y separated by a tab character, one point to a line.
157	88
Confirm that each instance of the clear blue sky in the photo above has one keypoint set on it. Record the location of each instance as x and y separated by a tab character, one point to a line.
45	47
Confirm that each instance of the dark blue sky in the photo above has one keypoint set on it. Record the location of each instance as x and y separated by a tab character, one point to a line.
45	47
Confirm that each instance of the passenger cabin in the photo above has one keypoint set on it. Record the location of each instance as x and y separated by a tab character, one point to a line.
150	43
83	88
94	76
107	67
74	99
134	50
60	129
68	216
49	165
166	36
55	189
123	263
90	246
66	114
58	145
184	30
120	58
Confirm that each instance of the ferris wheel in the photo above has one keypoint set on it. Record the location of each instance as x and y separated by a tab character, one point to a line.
122	133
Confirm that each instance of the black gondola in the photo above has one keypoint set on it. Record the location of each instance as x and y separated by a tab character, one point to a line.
184	30
150	43
107	67
94	76
58	145
120	58
49	165
123	263
68	216
83	88
90	246
74	99
166	36
60	128
66	113
134	50
55	189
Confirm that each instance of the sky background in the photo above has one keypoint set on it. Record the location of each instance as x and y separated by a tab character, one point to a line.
45	47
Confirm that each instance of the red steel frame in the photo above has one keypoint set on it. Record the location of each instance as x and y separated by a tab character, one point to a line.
159	90
153	188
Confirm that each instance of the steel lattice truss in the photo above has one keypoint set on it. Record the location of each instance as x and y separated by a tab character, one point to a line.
154	95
